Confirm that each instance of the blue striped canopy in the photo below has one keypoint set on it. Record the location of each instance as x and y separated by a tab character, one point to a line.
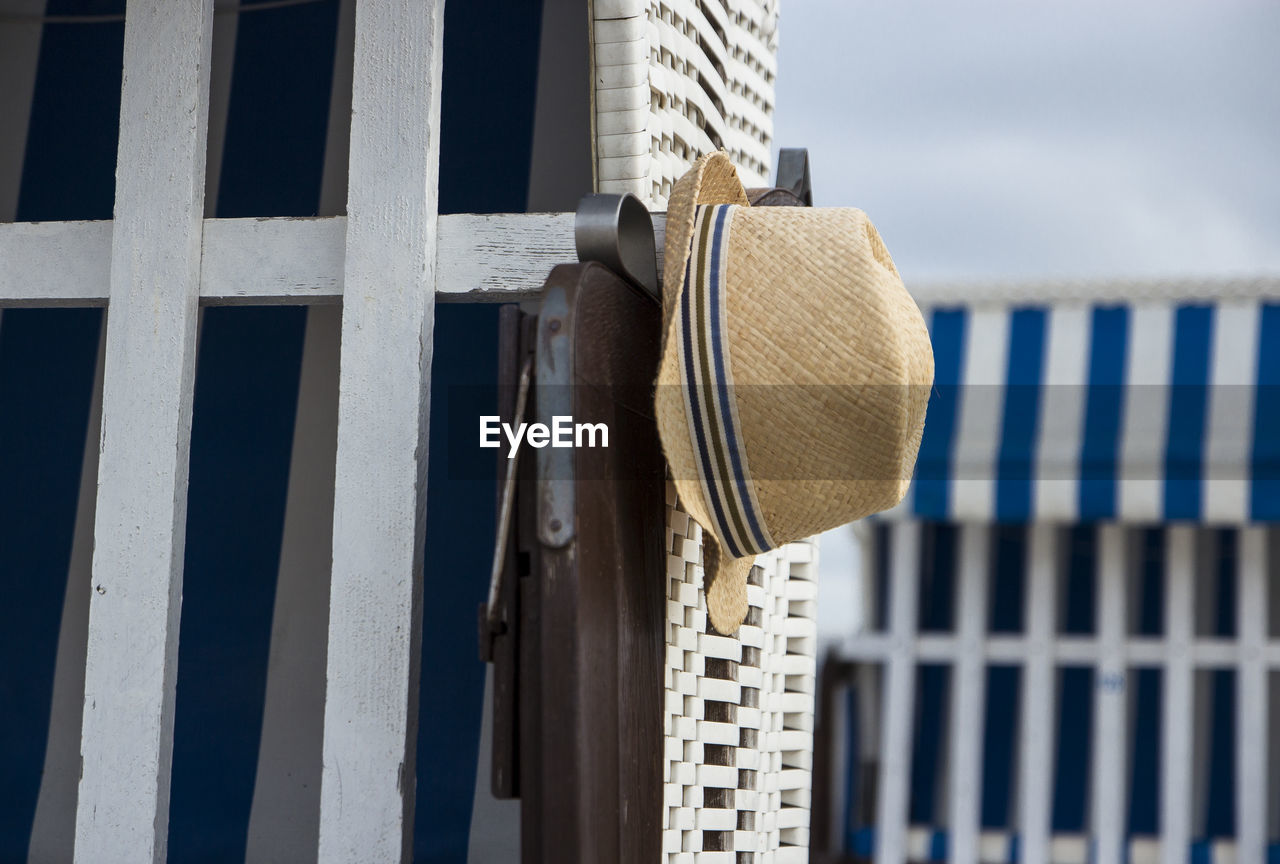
1145	411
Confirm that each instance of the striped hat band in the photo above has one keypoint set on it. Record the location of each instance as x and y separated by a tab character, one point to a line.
707	379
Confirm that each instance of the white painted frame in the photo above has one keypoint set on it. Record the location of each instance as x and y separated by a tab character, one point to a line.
152	267
131	668
1040	650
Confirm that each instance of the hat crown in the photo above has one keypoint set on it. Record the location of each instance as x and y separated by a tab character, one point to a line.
796	367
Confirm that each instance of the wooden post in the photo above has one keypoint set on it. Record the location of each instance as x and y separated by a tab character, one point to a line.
1252	725
1035	774
375	607
900	686
1110	697
1177	711
968	694
127	737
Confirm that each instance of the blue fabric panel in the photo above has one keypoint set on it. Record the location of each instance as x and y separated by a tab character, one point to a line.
999	745
1227	563
933	464
1077	616
938	843
69	170
1016	460
1220	806
1151	583
1104	409
1220	809
241	439
1265	458
278	115
1075	732
1008	579
1144	780
864	842
881	575
242	436
853	766
937	597
47	359
484	168
462	480
1188	407
933	683
490	60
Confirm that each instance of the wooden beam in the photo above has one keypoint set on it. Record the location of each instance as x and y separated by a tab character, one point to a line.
1177	712
1110	683
968	694
1036	736
154	279
55	263
899	694
1253	728
66	263
496	257
379	514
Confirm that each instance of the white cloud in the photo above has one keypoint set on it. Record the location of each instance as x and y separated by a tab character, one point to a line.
1053	139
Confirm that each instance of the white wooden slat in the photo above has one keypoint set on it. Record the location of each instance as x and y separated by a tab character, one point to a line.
1057	484
501	257
899	698
1146	412
1177	711
498	254
1253	730
66	263
1207	653
1110	685
127	737
267	261
55	263
968	695
986	352
1035	748
1229	432
370	723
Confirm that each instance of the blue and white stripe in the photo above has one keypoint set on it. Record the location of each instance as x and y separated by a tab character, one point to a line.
1149	411
707	378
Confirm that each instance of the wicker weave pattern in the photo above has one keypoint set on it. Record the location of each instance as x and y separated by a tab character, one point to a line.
739	711
679	78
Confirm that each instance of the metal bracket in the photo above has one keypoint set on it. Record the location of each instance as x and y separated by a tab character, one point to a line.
793	173
553	378
617	231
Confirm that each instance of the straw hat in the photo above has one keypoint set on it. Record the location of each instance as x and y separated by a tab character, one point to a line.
795	373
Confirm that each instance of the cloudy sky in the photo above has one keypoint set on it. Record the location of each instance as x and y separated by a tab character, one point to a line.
1045	139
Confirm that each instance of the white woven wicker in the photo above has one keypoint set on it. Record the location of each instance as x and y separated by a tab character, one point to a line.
738	717
678	78
675	79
